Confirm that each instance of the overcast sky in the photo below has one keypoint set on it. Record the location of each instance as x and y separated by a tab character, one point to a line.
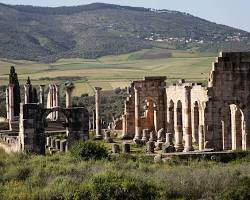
229	12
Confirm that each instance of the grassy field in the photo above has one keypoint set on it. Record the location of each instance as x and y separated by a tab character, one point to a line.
110	72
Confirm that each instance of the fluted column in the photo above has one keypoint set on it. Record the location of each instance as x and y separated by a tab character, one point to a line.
97	114
137	114
26	93
187	130
41	95
7	102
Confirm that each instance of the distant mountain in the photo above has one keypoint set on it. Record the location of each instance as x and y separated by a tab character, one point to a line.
90	31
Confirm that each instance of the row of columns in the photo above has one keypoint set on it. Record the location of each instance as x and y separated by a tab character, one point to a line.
179	122
53	101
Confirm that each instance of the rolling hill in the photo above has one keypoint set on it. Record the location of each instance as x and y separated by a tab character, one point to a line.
94	30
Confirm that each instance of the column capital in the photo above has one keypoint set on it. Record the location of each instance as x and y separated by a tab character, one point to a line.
69	87
42	86
233	107
137	89
98	88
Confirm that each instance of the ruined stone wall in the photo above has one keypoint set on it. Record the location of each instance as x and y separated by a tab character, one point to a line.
229	84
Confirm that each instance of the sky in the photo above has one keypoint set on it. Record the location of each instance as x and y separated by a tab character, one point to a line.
234	13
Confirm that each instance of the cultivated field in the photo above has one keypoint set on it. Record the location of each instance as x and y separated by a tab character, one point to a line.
111	72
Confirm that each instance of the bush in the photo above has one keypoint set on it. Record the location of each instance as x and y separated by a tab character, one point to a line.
89	150
239	191
114	186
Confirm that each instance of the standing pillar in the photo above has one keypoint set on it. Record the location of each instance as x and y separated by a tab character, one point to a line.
69	89
155	119
178	132
187	130
234	127
97	109
11	105
201	131
137	114
7	103
26	94
93	120
41	95
57	99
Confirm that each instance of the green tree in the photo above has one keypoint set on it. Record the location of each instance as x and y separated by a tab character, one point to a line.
28	82
13	79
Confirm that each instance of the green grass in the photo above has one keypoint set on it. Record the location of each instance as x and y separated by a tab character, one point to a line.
62	176
110	72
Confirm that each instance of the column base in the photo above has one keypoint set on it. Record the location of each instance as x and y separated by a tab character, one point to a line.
187	149
137	140
179	148
98	137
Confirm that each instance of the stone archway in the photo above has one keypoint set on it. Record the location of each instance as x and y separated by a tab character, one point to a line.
226	128
32	131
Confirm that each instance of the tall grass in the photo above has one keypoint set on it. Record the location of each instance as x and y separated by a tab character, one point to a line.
62	176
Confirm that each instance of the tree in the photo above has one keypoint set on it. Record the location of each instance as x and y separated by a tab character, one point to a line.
13	79
28	82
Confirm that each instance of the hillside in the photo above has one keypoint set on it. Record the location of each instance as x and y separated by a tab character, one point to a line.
91	31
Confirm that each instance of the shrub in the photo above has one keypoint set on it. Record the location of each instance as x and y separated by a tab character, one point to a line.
113	186
89	150
239	191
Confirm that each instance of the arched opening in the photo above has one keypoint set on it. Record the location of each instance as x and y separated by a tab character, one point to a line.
171	117
196	123
149	115
56	132
226	129
179	127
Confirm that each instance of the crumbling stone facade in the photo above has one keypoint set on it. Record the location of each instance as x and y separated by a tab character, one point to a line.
31	135
145	107
216	116
33	123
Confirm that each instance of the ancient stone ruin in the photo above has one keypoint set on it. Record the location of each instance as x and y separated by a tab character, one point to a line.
216	116
181	117
27	132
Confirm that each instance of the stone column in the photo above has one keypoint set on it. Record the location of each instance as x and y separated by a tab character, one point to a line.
187	130
93	120
155	118
7	103
97	115
69	89
234	127
11	104
178	132
137	114
57	98
26	94
202	126
41	95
